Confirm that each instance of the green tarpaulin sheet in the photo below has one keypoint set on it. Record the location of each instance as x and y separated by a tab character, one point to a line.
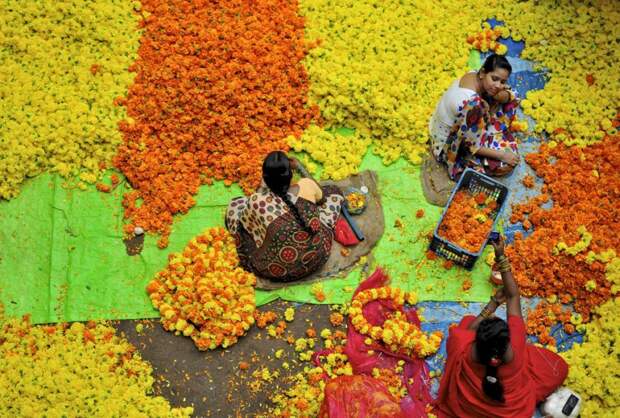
62	257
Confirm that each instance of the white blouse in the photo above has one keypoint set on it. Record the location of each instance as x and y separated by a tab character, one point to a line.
445	114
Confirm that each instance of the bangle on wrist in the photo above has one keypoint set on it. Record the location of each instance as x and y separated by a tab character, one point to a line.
486	312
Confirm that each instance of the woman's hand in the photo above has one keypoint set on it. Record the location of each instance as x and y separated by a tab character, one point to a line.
503	96
500	296
499	246
510	158
293	162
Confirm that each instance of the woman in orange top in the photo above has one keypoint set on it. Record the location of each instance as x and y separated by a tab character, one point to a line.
491	371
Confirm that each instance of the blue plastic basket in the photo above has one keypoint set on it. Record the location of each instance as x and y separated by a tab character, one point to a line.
474	182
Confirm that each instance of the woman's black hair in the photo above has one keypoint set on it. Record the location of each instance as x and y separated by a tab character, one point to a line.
277	174
492	339
494	61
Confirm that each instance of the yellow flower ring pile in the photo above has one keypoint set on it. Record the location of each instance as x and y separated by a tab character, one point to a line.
398	334
204	294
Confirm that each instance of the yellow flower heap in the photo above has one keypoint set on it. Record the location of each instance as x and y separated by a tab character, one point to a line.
577	42
397	333
204	294
63	64
594	364
70	371
340	155
382	65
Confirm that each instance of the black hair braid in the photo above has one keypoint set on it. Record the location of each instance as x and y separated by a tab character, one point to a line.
492	338
294	211
277	175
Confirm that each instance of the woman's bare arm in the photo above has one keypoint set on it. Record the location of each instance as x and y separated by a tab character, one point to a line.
511	288
508	157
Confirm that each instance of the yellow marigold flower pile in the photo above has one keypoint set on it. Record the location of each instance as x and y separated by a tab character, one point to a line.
74	370
204	294
577	42
340	155
397	333
594	364
382	65
63	64
486	39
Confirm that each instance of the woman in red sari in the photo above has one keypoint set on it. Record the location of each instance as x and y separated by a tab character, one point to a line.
491	371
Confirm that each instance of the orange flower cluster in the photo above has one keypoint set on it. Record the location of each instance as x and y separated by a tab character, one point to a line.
218	86
203	294
585	187
528	181
336	319
264	318
487	39
543	317
468	221
397	333
318	292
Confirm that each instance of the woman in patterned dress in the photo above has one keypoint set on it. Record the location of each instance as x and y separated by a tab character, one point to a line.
471	124
284	232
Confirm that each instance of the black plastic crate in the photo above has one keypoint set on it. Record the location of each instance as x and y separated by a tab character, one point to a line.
474	182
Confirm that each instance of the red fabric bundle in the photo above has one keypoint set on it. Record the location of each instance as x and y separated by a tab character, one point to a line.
344	234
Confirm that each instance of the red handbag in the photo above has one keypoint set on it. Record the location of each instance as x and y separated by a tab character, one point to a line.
344	234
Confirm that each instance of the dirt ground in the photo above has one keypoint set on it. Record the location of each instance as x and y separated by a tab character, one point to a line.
211	381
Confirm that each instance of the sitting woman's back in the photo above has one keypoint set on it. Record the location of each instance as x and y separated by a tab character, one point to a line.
280	231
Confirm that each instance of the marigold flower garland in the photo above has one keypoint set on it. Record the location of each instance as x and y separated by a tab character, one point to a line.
218	86
468	220
74	370
62	66
398	334
204	294
571	242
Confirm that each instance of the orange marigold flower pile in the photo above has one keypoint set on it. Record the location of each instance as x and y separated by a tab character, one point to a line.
566	253
203	293
468	220
543	317
218	86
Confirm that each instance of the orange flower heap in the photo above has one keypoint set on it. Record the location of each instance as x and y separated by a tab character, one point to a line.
543	317
573	241
203	294
218	86
397	333
468	221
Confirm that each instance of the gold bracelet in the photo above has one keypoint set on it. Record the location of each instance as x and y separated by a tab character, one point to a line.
486	312
503	262
505	268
